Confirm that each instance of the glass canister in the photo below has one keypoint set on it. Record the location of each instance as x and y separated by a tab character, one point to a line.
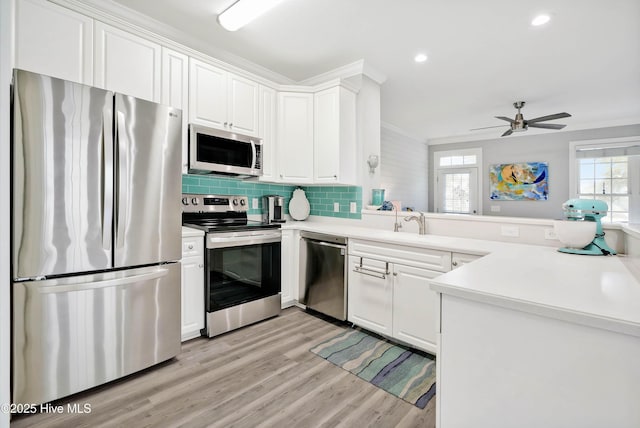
377	196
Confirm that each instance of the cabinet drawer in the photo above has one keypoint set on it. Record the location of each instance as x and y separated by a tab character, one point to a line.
459	259
192	246
419	257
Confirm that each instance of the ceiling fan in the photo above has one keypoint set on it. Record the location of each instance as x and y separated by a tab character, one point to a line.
519	124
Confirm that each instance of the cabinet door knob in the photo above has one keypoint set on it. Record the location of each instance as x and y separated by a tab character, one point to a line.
190	246
231	125
454	263
335	176
226	123
200	265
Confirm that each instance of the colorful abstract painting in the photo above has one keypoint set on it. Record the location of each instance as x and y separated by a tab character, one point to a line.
519	181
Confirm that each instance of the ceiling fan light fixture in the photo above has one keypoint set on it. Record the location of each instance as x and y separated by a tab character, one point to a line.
540	20
242	12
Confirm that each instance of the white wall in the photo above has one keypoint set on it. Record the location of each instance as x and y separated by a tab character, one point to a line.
404	168
368	125
6	65
551	147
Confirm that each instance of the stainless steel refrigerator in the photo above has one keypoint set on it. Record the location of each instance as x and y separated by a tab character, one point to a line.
95	236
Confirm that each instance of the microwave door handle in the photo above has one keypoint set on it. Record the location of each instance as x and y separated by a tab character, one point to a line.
254	154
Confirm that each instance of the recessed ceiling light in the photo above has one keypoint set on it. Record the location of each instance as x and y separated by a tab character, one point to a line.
420	58
540	20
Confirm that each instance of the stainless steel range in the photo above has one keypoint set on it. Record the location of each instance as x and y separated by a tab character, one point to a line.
242	261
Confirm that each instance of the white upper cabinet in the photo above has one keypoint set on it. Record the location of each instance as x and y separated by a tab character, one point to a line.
207	94
295	137
127	63
243	105
220	99
175	91
54	41
267	130
334	151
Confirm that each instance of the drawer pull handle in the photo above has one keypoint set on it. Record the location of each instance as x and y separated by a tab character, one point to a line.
454	263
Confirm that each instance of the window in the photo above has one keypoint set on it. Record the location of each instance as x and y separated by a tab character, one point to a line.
457	184
609	170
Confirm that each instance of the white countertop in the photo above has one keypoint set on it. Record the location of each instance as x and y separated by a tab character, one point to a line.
592	290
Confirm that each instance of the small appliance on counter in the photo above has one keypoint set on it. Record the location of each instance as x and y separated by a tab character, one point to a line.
582	232
273	209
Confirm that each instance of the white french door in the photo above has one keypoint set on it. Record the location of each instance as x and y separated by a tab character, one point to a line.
457	191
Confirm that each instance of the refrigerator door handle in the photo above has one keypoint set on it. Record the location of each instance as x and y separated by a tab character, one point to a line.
122	179
107	179
159	273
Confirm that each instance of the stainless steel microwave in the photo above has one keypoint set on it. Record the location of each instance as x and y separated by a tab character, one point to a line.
214	151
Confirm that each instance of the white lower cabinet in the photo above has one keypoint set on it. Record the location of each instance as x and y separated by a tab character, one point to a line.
290	250
192	283
415	307
370	295
389	291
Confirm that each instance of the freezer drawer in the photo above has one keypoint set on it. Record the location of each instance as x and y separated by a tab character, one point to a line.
75	333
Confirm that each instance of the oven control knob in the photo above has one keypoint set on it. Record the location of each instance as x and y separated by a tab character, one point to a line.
194	201
185	201
235	202
243	202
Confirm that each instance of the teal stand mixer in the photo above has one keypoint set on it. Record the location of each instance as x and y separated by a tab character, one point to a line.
588	210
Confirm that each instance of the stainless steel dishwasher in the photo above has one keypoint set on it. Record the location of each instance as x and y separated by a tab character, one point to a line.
324	274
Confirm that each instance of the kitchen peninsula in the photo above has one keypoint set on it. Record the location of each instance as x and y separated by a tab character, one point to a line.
529	335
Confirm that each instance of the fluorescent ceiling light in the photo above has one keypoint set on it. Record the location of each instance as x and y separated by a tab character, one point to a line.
242	12
540	20
420	58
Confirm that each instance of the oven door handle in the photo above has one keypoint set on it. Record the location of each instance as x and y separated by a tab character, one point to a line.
216	241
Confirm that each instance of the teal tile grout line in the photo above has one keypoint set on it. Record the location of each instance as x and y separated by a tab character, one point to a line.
321	198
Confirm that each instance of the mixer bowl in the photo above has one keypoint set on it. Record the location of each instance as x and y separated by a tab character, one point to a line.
575	234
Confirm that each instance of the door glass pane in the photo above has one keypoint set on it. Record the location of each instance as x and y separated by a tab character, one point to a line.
457	193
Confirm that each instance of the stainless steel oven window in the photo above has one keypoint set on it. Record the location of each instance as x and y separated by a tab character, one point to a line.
241	274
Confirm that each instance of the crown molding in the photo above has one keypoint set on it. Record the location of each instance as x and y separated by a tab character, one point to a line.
491	135
127	19
349	70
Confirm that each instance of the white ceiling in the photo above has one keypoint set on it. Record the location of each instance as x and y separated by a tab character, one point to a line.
483	55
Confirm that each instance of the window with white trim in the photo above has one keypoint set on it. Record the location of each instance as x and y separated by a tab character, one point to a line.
457	181
609	170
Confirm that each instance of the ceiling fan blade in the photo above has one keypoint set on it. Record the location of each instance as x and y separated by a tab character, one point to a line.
505	118
549	117
487	127
545	125
507	132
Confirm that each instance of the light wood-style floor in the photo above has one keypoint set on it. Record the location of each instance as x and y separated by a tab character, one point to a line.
259	376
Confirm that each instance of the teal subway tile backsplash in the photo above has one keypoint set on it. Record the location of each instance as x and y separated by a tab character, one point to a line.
321	198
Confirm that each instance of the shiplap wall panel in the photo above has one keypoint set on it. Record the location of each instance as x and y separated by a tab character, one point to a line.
404	169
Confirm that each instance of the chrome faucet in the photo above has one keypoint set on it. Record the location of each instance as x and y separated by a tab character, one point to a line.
422	225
